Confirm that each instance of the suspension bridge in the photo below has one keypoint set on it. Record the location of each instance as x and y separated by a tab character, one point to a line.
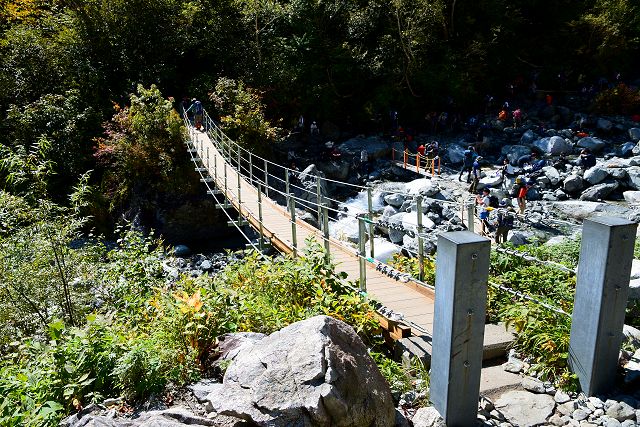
252	185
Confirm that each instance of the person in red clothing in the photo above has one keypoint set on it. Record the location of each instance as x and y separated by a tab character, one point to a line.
421	150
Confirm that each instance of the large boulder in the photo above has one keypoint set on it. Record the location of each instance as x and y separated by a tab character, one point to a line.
595	175
514	152
572	184
634	134
313	372
394	199
599	191
527	138
604	124
633	177
338	170
584	209
632	197
553	145
396	235
455	153
377	147
552	174
423	186
593	144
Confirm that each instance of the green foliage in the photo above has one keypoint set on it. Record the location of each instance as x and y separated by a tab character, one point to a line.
242	113
411	265
141	148
404	377
621	99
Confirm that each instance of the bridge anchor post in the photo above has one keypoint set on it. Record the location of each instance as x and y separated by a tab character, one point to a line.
362	254
602	289
458	327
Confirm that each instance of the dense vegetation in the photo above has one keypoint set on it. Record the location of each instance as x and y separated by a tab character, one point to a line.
65	64
89	134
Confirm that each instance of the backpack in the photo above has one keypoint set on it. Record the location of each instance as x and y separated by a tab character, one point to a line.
505	219
493	201
468	157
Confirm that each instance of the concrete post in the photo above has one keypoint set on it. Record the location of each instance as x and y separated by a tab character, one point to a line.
287	189
250	168
370	217
260	228
362	254
266	180
602	289
294	237
462	271
325	231
471	213
318	197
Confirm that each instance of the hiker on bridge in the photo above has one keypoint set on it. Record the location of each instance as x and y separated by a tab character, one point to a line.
198	110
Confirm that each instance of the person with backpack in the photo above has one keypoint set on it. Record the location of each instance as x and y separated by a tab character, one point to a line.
197	113
467	163
504	221
484	201
476	174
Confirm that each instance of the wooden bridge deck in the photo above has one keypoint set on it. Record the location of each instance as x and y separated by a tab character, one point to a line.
415	302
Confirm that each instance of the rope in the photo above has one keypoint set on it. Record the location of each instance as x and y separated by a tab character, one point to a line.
530	258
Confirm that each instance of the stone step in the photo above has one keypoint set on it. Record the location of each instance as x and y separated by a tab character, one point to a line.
496	343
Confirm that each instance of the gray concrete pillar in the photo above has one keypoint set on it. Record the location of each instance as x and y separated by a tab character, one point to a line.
602	289
462	271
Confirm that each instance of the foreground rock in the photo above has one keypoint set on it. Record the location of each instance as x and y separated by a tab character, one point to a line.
313	372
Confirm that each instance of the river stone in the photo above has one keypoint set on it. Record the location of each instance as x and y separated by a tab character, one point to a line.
173	417
561	397
524	409
181	251
396	235
423	186
626	149
427	417
593	144
527	137
633	177
572	184
534	385
621	411
634	134
600	191
595	175
604	124
455	153
514	152
552	174
313	372
395	200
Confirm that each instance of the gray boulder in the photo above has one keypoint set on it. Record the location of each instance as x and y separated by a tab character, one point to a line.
527	138
551	173
514	152
593	144
396	235
553	145
600	191
427	417
595	175
395	200
632	197
633	177
314	372
604	124
634	134
572	184
455	153
626	149
338	170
